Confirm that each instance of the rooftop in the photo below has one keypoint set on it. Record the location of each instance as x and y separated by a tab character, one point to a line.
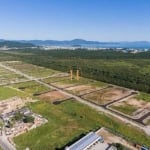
85	141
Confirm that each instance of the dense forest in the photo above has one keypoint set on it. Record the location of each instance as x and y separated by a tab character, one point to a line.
124	69
12	44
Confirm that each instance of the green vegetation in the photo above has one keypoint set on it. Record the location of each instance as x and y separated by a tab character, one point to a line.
12	44
28	119
67	121
54	79
120	147
31	70
126	108
143	96
81	81
8	92
1	148
148	122
17	117
124	69
7	76
31	87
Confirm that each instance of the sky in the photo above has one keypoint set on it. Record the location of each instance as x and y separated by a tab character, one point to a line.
100	20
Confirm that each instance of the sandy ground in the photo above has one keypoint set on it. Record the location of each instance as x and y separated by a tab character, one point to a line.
147	120
110	138
107	95
53	96
13	103
62	85
142	106
81	89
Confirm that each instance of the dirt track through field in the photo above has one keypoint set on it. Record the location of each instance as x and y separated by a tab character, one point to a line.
92	105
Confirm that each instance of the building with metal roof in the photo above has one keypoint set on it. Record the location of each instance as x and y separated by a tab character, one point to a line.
85	142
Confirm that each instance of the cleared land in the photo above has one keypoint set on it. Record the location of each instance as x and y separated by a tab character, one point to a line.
53	96
81	89
70	119
69	83
31	87
30	69
13	103
8	92
56	78
111	138
7	76
106	95
67	122
132	107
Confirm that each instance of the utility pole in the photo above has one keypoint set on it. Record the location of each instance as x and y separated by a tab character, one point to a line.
77	77
71	74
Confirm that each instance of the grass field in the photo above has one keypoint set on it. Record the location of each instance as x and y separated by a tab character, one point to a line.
7	76
68	83
126	108
66	122
31	70
105	96
148	122
54	79
31	87
143	96
7	92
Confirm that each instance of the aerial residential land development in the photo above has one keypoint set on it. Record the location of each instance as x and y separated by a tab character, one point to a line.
43	108
75	75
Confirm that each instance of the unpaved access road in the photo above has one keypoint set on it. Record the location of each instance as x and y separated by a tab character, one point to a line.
94	106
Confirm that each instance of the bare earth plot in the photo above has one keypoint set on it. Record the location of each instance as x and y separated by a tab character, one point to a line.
147	121
53	96
7	77
81	89
13	103
83	81
63	85
29	69
105	96
55	79
111	138
132	107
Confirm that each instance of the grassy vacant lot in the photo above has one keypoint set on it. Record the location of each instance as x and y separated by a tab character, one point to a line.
148	122
1	148
143	96
126	109
7	92
84	81
69	83
31	87
7	76
68	121
54	79
105	96
31	70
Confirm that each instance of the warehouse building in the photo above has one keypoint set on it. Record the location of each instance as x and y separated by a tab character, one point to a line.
91	141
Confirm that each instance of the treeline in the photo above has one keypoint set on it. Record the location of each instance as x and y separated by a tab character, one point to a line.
90	54
12	44
124	69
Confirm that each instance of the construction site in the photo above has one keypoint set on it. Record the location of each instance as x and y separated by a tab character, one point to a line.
34	86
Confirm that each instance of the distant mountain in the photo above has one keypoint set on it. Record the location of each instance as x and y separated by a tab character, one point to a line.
65	42
1	40
78	43
81	42
15	44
